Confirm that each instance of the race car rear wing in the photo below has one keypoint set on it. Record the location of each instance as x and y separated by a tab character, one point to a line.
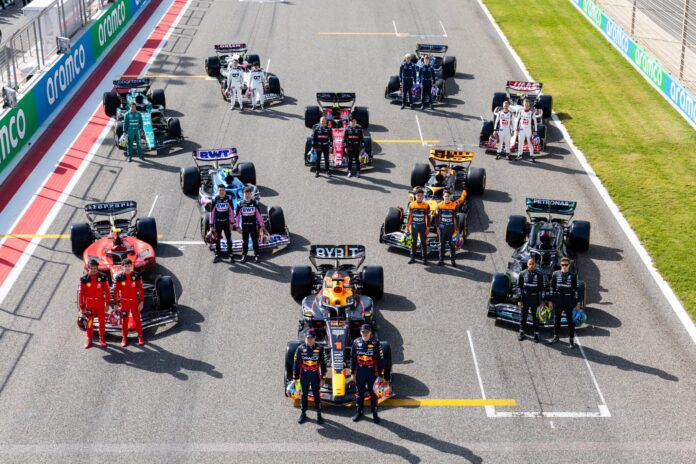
335	97
451	156
431	48
560	207
111	208
337	253
215	154
132	83
523	86
231	48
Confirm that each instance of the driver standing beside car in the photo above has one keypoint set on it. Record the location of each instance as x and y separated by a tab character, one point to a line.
564	294
310	367
129	294
133	124
235	76
322	140
248	218
526	130
531	286
426	77
447	224
257	79
366	366
417	226
503	125
95	296
407	74
221	216
352	144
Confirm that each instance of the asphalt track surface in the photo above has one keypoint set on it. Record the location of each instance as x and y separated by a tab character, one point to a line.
210	389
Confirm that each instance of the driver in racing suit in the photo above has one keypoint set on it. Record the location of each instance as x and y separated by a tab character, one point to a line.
531	287
95	295
564	294
257	79
235	77
417	226
322	140
309	367
503	124
407	74
248	218
447	224
426	76
129	294
221	216
352	144
133	124
526	130
366	366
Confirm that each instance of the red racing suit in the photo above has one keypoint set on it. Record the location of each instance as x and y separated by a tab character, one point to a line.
95	295
129	294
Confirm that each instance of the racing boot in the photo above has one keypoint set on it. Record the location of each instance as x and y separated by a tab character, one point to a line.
441	263
244	259
216	259
375	417
124	341
572	344
257	259
357	416
357	174
141	341
533	159
130	159
302	418
554	340
520	336
88	343
102	342
231	258
316	173
412	260
403	106
454	262
536	337
320	420
350	174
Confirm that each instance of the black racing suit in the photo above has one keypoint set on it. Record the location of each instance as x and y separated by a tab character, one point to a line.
427	76
407	74
310	367
447	225
352	144
221	216
249	219
531	286
418	217
564	294
366	365
322	139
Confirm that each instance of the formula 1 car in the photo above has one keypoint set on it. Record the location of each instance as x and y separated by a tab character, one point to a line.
445	68
216	66
158	131
336	300
111	235
216	167
337	108
547	234
515	93
449	168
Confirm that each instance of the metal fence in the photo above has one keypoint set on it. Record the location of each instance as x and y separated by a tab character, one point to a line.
34	46
665	28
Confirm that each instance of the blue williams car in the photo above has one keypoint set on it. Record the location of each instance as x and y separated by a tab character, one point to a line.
220	166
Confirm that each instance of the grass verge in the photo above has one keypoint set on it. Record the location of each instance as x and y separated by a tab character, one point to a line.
639	146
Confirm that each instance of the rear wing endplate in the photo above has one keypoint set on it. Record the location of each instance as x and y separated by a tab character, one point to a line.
540	205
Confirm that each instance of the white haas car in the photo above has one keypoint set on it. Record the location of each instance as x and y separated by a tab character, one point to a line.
216	66
515	93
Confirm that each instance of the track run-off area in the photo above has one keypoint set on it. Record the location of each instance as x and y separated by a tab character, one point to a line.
210	389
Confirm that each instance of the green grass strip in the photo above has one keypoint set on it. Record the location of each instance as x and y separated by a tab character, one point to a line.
639	146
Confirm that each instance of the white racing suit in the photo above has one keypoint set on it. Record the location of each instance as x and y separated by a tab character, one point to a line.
257	79
235	84
525	121
503	124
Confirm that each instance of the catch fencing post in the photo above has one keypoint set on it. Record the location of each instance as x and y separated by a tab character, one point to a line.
684	29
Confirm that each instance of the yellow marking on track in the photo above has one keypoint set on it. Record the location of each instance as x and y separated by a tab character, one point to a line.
393	34
447	402
418	141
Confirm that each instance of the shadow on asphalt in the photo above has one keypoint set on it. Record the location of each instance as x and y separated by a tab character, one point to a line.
406	386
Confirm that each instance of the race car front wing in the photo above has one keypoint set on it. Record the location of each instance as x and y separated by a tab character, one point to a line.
511	313
274	241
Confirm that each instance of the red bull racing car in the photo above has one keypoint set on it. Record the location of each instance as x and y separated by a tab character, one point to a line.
337	298
337	108
111	235
515	93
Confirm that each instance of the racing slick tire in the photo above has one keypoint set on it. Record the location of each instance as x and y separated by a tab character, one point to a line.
449	67
579	235
273	84
247	173
394	220
362	115
516	230
463	224
307	149
118	133
212	66
476	181
385	347
276	220
290	360
190	179
80	237
301	280
545	104
498	99
158	99
111	102
582	294
367	144
174	128
205	225
420	175
146	230
487	130
500	285
312	115
166	295
253	58
392	86
541	132
372	277
440	84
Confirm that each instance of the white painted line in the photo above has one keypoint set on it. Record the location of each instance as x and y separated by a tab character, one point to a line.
153	205
667	291
182	242
602	407
489	409
395	30
547	414
420	132
443	29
